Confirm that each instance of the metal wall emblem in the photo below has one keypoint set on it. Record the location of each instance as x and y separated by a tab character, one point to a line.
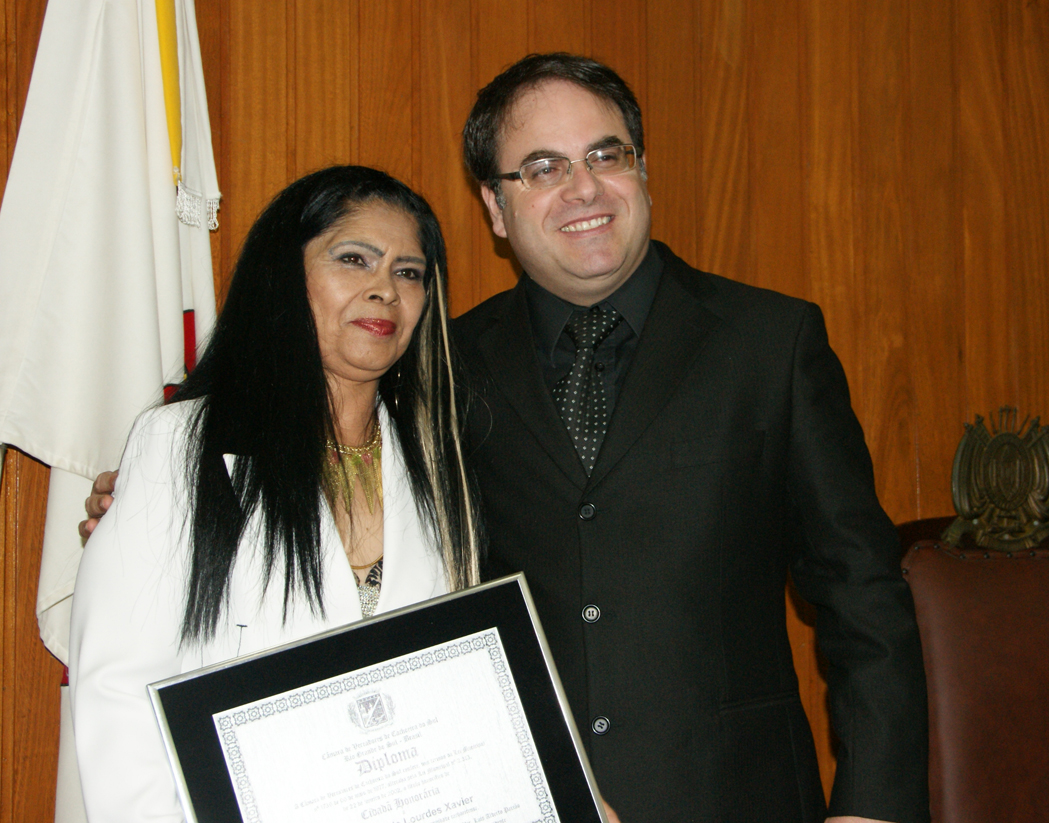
1000	484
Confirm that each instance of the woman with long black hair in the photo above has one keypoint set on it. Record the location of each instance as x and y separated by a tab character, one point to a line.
308	473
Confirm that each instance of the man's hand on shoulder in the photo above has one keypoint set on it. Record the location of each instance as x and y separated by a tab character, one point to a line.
98	502
851	819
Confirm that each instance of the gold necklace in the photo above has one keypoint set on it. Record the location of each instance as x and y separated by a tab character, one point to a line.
344	466
366	565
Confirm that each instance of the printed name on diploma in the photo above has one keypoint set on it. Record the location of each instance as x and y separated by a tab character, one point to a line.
432	812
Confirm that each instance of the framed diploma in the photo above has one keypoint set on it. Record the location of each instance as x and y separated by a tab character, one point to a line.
450	711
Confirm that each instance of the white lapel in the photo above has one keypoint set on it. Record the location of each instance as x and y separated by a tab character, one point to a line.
412	568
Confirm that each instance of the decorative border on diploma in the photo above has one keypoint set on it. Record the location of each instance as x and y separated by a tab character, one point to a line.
227	722
499	617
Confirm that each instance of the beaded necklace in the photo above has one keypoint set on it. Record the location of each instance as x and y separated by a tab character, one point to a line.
348	464
344	467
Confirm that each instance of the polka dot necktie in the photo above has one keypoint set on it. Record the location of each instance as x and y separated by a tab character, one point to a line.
580	394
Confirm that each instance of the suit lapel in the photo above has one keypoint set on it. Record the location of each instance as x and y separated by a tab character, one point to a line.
677	328
509	354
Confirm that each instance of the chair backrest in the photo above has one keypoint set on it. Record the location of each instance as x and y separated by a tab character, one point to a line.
984	623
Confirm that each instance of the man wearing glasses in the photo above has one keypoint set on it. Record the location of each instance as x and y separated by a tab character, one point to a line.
656	448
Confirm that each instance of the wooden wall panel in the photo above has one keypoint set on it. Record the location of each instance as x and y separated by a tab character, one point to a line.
387	46
1027	208
554	25
885	387
989	373
615	39
774	105
722	141
445	96
884	159
324	84
257	133
500	36
9	96
29	676
934	337
828	136
213	32
670	123
20	21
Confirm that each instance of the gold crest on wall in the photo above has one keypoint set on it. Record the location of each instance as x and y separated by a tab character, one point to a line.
1000	484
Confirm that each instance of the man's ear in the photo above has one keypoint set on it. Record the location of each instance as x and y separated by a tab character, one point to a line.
642	163
494	211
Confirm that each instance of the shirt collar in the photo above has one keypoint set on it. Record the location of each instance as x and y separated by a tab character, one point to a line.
633	300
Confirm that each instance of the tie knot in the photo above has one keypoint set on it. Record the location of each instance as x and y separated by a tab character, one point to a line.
587	328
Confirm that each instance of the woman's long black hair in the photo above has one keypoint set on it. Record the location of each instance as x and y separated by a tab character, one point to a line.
264	397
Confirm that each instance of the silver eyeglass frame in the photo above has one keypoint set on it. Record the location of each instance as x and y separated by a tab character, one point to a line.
631	152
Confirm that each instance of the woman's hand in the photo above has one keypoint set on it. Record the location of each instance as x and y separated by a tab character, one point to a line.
98	502
611	813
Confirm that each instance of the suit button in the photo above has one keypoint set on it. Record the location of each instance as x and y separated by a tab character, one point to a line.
587	511
591	614
600	724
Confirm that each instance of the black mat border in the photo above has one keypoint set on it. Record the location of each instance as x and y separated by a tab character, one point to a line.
188	703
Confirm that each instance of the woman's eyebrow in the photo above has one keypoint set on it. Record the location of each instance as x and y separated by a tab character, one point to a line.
374	249
404	258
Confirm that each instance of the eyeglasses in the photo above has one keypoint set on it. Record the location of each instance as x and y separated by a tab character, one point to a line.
552	171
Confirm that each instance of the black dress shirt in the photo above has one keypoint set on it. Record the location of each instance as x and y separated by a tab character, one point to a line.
556	351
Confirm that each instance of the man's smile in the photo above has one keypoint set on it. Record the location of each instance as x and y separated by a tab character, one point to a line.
585	225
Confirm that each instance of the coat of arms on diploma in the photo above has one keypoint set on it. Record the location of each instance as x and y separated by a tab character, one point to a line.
371	710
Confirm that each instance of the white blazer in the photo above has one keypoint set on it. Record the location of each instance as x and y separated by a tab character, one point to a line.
131	592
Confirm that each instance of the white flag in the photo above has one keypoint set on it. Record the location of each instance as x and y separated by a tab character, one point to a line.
96	268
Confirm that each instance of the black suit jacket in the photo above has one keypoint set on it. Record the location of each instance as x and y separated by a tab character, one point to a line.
732	456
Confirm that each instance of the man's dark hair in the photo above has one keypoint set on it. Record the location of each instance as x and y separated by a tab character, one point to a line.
263	395
495	101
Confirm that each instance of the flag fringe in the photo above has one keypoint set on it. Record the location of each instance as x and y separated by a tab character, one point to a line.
193	209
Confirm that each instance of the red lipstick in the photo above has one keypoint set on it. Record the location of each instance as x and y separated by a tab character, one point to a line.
373	325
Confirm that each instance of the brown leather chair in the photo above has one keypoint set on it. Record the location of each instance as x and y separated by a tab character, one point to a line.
984	622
